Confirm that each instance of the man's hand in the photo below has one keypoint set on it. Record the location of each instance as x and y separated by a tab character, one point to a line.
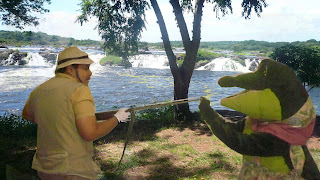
122	115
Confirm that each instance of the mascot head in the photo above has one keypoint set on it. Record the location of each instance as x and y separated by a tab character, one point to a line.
272	93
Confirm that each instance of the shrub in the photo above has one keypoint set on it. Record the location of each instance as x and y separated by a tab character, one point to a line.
16	126
159	117
111	59
239	60
205	55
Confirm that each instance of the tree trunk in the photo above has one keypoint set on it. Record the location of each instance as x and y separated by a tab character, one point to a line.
182	75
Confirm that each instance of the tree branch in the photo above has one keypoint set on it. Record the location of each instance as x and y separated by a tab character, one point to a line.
182	25
190	60
196	37
165	38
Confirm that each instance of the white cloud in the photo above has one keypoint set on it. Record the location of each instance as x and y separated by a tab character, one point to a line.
64	24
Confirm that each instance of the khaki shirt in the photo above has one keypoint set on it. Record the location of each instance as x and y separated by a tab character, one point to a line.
56	104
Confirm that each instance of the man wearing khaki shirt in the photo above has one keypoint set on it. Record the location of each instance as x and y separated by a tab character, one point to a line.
64	110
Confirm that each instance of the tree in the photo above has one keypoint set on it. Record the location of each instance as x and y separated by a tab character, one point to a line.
303	60
71	42
16	12
114	13
120	23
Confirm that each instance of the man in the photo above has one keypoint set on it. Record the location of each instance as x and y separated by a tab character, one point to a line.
63	108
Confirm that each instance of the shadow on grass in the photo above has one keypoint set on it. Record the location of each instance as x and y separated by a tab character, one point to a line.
146	129
152	165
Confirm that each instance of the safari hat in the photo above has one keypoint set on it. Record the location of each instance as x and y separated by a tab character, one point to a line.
72	55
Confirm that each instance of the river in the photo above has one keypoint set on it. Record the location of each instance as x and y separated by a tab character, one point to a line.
148	81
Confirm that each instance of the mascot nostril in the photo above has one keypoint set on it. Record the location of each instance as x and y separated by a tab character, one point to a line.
280	120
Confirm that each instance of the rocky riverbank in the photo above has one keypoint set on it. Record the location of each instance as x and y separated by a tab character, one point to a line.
15	57
11	57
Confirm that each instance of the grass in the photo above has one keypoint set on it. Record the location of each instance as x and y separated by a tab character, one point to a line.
159	148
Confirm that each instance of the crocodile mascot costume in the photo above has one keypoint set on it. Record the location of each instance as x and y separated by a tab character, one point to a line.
280	119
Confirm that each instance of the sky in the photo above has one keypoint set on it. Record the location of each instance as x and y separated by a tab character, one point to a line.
280	21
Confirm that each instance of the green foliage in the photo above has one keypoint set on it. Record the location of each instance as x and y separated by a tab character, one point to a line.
143	46
4	56
17	38
204	55
264	47
222	6
249	4
120	23
160	114
180	62
240	60
15	126
252	45
20	13
110	59
218	45
305	61
243	46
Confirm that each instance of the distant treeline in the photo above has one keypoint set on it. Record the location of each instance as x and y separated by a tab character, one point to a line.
17	38
240	46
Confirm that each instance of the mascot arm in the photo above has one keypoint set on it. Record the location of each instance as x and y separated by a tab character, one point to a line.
231	133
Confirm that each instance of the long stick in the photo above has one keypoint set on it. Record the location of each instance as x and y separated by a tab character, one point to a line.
109	114
162	104
132	118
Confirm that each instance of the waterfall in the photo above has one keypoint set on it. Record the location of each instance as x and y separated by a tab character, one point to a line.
8	61
226	64
160	61
150	61
96	58
35	59
156	60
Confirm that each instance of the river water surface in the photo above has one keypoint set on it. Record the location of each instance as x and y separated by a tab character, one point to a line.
111	87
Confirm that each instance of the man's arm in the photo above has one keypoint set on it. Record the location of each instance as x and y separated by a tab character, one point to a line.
89	129
105	115
86	118
28	113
